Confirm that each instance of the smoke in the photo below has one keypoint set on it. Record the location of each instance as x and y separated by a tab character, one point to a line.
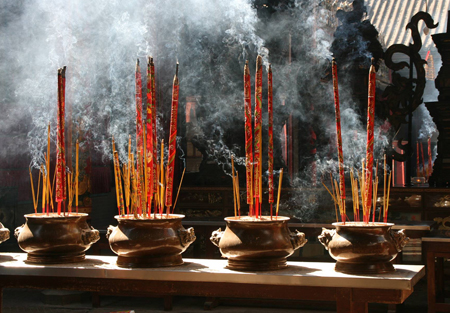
427	127
99	42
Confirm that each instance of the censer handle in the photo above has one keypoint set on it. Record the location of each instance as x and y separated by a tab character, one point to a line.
399	238
4	233
17	231
90	236
326	236
298	239
110	230
187	236
216	236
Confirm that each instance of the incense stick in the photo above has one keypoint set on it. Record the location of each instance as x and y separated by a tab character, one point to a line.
178	192
238	194
234	186
76	174
279	191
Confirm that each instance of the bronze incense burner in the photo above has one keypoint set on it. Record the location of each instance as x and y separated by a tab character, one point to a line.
257	244
360	248
4	233
51	239
155	242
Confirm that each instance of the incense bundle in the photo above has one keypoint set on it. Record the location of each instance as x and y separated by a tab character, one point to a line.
339	136
258	136
248	137
172	141
370	141
270	130
60	154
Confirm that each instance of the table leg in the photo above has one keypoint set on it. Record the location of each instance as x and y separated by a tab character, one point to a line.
431	283
95	299
440	292
168	303
1	299
346	304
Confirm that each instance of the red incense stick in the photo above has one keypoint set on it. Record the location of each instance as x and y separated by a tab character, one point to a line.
339	138
258	136
172	142
248	137
270	144
370	138
149	131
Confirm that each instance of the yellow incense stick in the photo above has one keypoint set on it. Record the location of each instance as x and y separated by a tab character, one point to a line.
387	200
32	190
279	191
234	185
178	192
238	194
144	167
115	177
331	193
43	189
133	193
161	203
69	192
334	199
37	195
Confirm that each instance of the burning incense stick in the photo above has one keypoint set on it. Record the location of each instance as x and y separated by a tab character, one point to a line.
154	135
370	138
172	141
138	96
258	136
279	191
32	190
150	140
60	160
238	194
339	135
119	193
248	138
234	186
270	144
178	192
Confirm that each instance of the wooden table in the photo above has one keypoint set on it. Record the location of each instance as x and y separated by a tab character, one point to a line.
436	248
210	278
